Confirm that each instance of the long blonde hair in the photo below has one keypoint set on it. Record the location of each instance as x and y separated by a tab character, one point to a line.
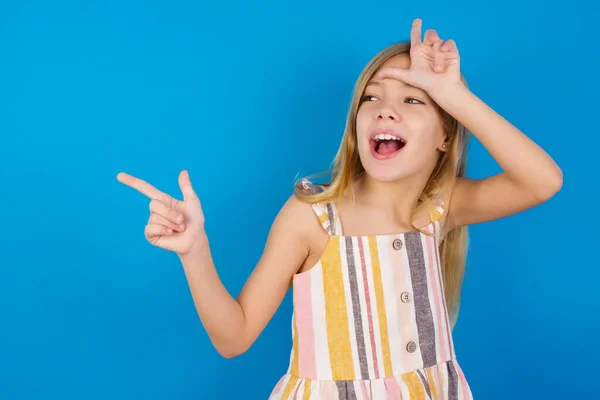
451	164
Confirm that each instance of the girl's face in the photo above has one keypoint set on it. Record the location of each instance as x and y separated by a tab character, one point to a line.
399	130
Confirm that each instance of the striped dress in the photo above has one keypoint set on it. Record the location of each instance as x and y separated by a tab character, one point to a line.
370	321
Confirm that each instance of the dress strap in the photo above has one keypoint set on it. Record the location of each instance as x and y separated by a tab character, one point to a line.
435	216
437	211
326	212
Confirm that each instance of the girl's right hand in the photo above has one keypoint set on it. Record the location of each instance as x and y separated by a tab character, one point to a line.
173	224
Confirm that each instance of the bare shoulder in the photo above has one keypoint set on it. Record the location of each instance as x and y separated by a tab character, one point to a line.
298	218
296	235
288	247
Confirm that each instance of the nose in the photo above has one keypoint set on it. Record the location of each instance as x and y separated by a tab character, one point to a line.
388	112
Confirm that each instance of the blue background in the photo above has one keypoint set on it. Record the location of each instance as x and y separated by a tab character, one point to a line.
248	96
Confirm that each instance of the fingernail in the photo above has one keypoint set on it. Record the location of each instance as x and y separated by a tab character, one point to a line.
182	227
179	218
169	231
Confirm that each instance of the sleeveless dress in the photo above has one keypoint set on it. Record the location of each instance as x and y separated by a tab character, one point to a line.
370	321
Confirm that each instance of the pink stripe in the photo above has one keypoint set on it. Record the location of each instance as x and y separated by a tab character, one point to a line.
466	391
368	299
439	270
363	389
437	292
392	388
277	387
306	335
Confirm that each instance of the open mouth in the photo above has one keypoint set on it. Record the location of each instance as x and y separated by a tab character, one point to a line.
385	146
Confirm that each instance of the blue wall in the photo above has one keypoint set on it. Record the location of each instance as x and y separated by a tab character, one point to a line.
247	98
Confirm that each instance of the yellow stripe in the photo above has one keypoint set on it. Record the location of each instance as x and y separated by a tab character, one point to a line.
414	384
287	393
295	368
378	286
434	215
432	385
336	315
323	217
307	390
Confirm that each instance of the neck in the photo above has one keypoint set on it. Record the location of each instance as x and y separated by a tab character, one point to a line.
397	198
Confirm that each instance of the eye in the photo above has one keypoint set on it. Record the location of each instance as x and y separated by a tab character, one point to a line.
366	97
412	100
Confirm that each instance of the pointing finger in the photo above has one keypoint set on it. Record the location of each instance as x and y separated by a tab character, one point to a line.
144	187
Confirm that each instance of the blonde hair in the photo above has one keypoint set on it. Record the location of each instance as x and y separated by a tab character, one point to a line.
451	164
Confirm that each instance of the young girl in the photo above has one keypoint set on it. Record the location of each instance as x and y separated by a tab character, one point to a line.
375	258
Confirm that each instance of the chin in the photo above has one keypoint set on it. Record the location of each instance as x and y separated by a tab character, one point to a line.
385	174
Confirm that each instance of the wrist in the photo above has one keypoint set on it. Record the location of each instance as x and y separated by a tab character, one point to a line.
448	93
197	250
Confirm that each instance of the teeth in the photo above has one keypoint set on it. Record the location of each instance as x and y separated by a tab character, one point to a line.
383	136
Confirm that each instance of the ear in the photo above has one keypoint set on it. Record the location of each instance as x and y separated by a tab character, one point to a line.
444	146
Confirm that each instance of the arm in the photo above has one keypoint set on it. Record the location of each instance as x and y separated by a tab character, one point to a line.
233	325
529	175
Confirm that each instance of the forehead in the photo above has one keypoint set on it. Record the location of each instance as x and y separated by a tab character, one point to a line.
398	61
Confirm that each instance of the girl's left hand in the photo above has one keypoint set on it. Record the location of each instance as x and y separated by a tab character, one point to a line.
434	63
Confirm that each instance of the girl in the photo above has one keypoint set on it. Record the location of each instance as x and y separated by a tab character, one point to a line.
376	275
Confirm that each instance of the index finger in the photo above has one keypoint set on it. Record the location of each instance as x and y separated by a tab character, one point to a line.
415	32
143	187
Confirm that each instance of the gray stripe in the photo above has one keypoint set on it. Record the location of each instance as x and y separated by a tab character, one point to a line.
341	387
331	220
351	392
425	384
424	316
356	310
320	188
345	390
452	382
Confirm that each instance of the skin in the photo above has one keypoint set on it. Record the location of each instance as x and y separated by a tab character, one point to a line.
296	239
392	187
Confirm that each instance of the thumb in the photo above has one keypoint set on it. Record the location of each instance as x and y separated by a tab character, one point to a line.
401	74
185	184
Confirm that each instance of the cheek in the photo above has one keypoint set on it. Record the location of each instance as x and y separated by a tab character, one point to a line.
427	126
363	120
361	127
